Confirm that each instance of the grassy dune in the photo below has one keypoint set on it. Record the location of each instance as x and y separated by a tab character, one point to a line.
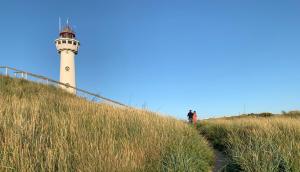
43	128
257	144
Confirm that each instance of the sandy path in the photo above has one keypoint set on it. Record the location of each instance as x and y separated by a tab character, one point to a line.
220	161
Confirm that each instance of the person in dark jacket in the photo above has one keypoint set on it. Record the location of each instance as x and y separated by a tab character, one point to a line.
190	116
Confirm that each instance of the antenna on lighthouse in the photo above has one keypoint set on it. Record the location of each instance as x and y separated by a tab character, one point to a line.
59	24
67	21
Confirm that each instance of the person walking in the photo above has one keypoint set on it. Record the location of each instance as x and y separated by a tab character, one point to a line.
195	119
190	116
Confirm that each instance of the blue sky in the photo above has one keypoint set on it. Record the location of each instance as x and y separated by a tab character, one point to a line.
217	57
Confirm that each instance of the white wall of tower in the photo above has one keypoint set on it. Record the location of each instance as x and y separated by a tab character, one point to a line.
67	48
67	69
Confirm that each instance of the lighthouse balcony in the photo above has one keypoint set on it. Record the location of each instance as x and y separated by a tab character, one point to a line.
67	44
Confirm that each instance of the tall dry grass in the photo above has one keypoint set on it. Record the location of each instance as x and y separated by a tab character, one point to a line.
43	128
257	144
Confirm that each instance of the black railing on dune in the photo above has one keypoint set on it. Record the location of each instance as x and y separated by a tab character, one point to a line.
26	75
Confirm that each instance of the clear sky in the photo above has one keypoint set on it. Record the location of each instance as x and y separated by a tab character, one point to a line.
213	56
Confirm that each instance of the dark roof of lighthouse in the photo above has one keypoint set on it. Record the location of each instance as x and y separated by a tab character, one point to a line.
67	32
67	29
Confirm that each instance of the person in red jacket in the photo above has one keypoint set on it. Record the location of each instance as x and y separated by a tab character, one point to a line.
195	118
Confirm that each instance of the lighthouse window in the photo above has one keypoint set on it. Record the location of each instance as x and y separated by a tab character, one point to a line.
69	42
64	41
67	68
74	43
59	42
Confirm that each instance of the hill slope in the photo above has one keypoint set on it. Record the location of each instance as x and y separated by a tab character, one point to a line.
257	143
43	128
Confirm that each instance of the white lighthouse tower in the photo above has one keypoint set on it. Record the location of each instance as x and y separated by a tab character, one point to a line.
67	46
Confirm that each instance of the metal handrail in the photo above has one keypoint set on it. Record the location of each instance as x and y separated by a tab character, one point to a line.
60	83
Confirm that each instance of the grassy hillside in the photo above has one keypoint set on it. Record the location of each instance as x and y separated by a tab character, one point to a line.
43	128
269	144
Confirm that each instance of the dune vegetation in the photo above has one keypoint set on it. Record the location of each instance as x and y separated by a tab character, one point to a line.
43	128
257	144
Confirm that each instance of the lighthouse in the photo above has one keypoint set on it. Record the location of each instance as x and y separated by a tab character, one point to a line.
67	47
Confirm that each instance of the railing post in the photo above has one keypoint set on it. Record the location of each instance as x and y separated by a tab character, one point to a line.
6	71
22	75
